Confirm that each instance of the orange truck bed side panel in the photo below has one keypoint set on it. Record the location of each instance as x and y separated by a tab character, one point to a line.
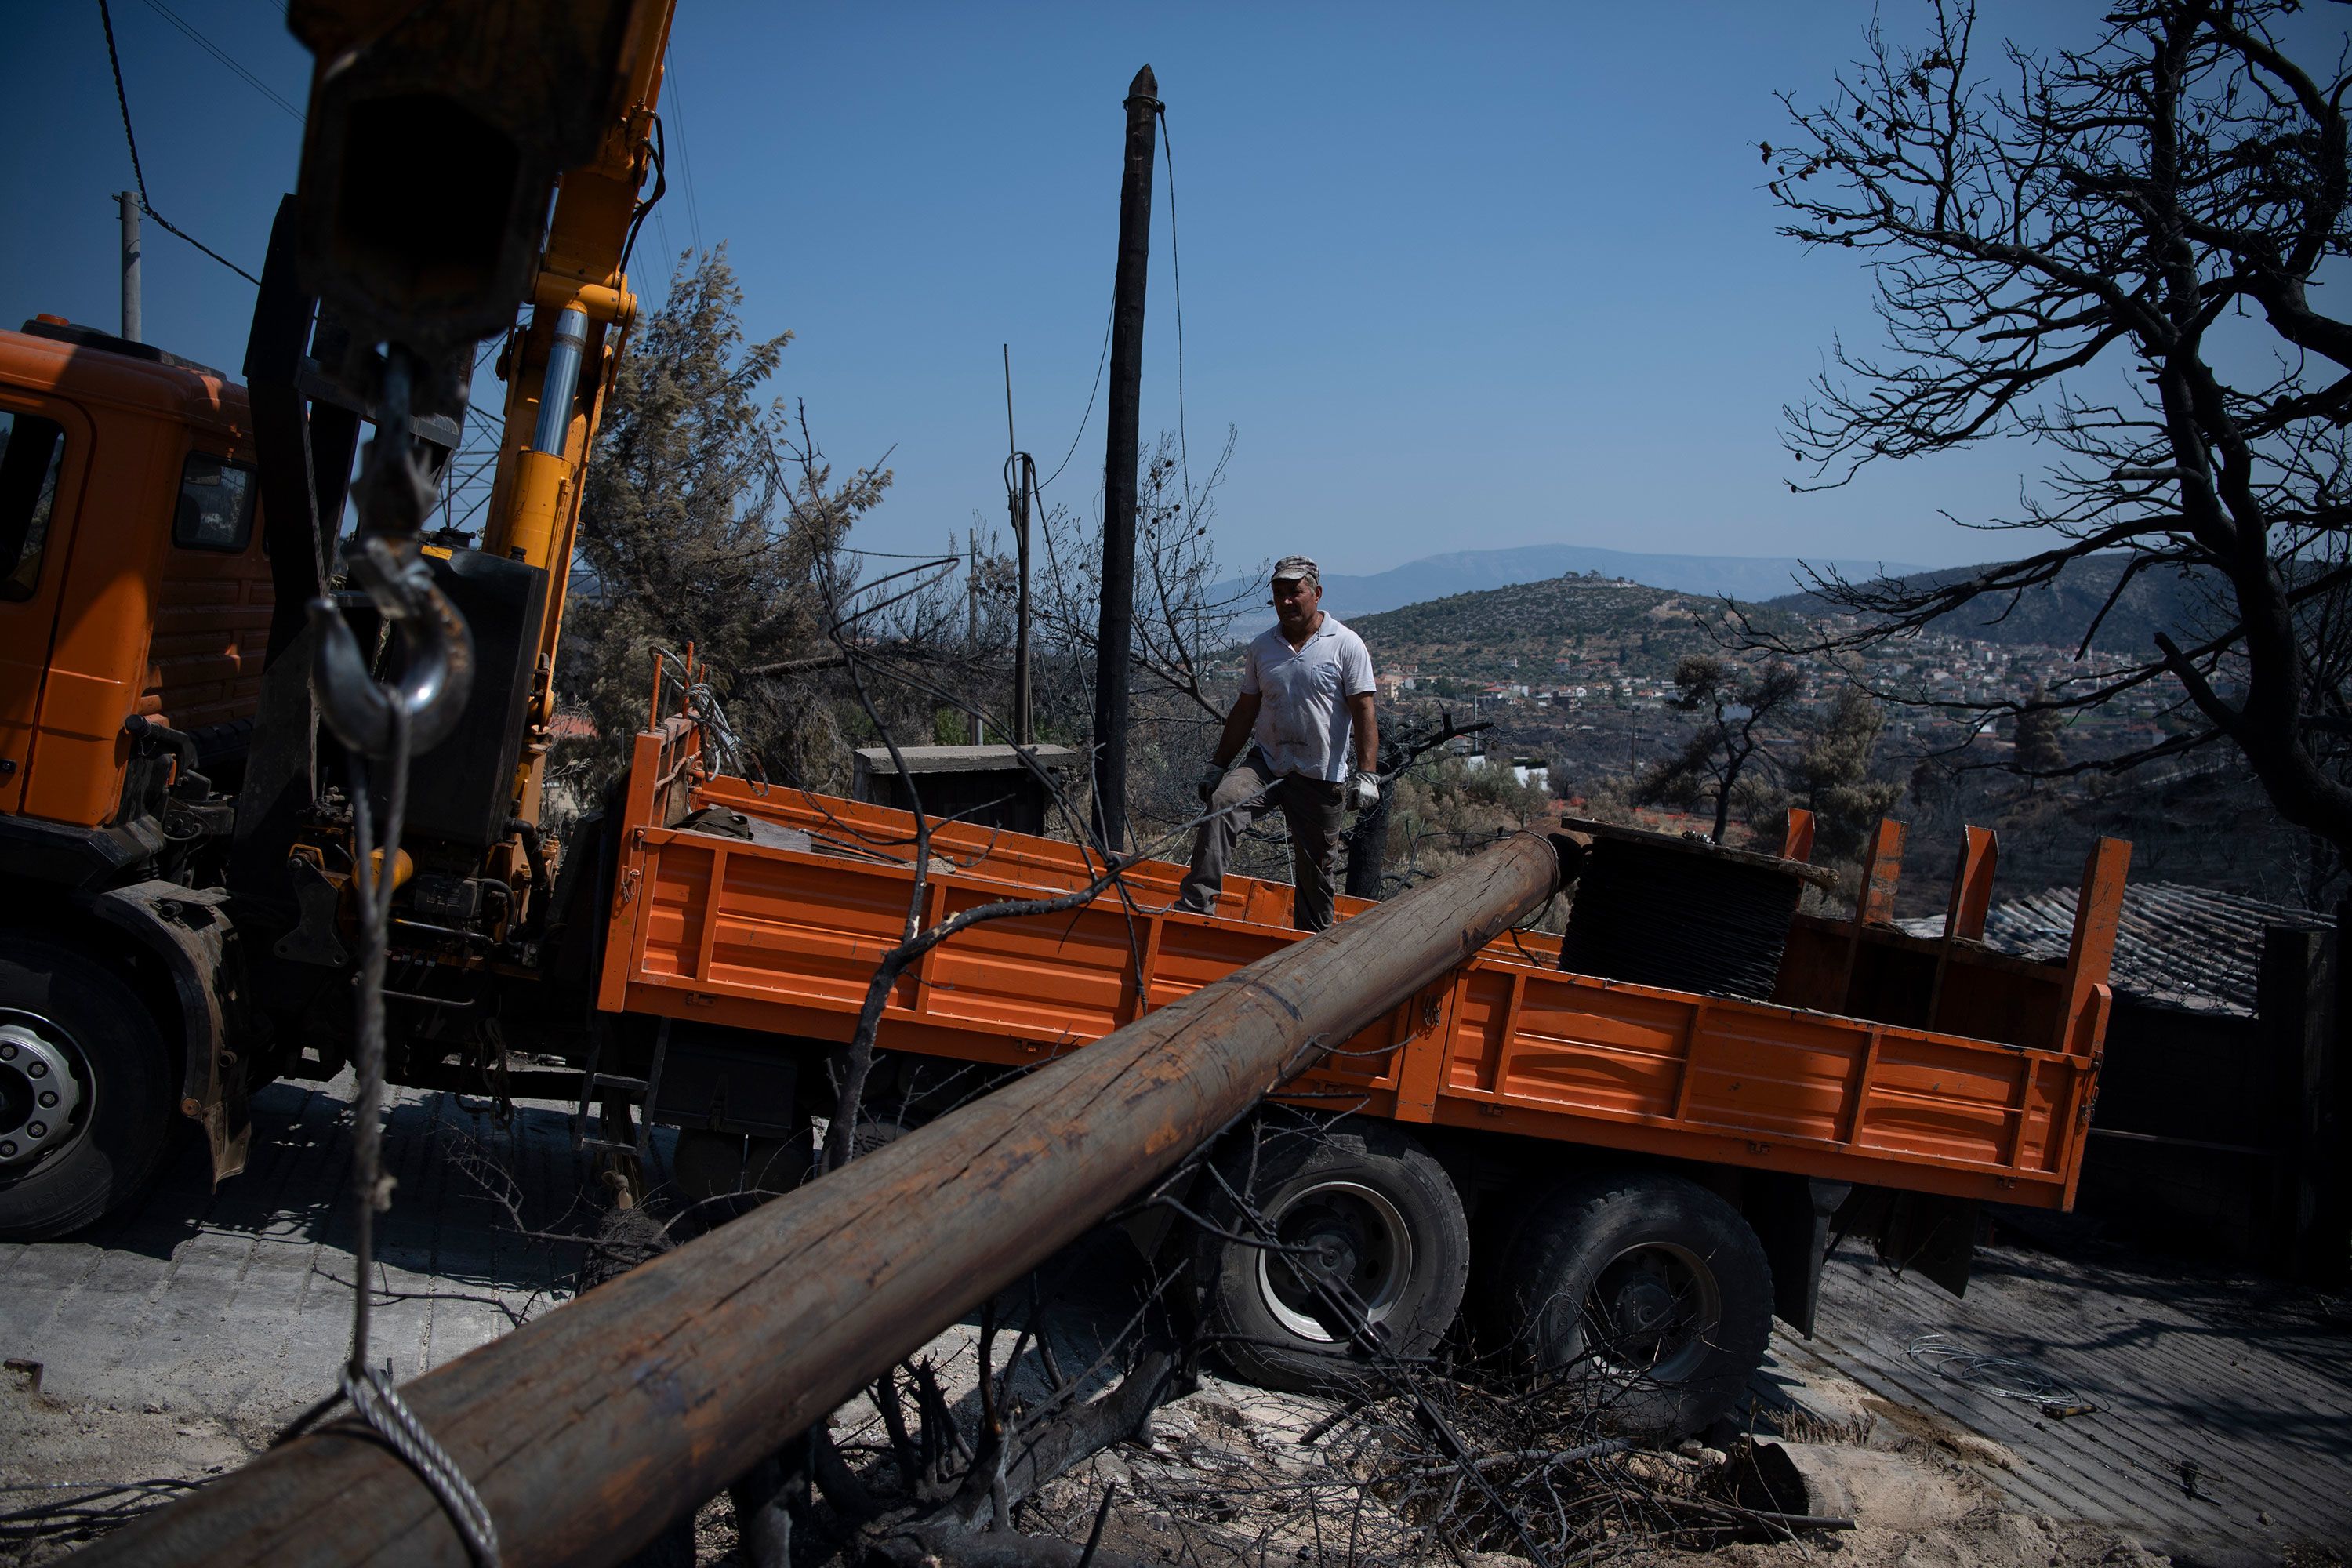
782	939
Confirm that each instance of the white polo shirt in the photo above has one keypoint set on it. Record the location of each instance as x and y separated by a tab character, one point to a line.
1303	725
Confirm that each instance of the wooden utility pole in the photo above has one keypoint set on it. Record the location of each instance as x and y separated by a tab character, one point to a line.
972	624
1020	479
1115	632
133	327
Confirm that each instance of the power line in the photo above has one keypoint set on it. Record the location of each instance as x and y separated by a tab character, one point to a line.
1184	445
217	53
122	101
1087	417
685	155
1176	267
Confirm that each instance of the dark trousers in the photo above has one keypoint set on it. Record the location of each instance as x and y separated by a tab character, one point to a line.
1312	807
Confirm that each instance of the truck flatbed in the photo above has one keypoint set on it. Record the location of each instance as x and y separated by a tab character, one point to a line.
1984	1092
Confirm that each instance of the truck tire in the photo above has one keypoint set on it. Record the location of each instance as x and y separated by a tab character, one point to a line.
85	1091
1647	1293
1382	1216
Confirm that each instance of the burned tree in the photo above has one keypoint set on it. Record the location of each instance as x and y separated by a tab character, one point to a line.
1737	703
2111	250
1186	611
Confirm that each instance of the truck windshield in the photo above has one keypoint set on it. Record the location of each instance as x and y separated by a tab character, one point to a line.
31	448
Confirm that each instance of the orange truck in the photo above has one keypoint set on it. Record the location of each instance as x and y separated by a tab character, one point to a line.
1669	1161
699	951
1629	1171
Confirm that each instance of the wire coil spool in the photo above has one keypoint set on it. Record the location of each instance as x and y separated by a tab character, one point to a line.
1681	913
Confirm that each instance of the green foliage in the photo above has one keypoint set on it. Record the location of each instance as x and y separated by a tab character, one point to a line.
703	521
1832	775
1443	811
2035	734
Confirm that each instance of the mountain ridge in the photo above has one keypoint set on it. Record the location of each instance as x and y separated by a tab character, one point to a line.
1453	572
2176	599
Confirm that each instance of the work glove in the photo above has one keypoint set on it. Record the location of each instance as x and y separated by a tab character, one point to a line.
1363	789
1211	777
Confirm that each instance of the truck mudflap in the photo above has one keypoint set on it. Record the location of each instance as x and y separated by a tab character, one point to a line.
1792	1216
1925	1234
187	931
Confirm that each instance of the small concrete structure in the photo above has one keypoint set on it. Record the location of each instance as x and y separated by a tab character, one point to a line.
990	786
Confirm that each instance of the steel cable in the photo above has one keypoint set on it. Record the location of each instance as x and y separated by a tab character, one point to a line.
122	101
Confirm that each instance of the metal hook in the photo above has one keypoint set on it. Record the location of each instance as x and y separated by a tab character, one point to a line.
436	655
395	495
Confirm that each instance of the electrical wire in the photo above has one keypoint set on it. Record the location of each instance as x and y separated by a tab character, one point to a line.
887	554
685	154
2003	1377
670	249
222	55
661	155
1087	417
1176	272
122	101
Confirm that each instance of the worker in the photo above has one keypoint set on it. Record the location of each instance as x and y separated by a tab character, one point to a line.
1306	713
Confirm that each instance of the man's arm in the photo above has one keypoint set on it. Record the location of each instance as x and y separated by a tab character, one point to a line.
1366	730
1238	724
1356	685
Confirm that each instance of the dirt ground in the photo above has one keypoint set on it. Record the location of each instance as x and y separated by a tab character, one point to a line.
1226	1479
179	1341
1223	1479
56	1456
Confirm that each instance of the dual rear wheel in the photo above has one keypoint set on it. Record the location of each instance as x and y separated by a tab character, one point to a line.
1646	1293
1369	1255
1643	1292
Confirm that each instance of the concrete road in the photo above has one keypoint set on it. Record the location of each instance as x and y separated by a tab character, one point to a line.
236	1303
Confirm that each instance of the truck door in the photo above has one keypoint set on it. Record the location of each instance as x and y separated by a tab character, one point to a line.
44	452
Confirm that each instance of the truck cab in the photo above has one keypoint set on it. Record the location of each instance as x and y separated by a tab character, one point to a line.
134	584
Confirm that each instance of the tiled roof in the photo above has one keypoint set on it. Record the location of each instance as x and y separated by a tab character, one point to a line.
2176	946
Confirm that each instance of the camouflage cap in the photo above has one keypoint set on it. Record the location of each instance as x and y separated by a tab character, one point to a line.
1297	566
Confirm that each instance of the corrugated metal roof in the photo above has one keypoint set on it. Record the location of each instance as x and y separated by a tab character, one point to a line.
2176	946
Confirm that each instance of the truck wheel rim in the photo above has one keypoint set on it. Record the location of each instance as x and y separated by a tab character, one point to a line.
1651	1314
1348	1233
45	1091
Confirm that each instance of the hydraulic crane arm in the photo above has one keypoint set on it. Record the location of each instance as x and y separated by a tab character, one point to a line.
558	369
497	100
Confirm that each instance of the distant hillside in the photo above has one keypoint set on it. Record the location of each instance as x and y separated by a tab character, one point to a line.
1469	570
1558	624
1540	625
2057	614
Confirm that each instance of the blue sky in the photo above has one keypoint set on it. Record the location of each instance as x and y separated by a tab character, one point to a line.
1461	277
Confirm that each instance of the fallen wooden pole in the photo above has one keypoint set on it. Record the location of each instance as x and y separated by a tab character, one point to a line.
590	1429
